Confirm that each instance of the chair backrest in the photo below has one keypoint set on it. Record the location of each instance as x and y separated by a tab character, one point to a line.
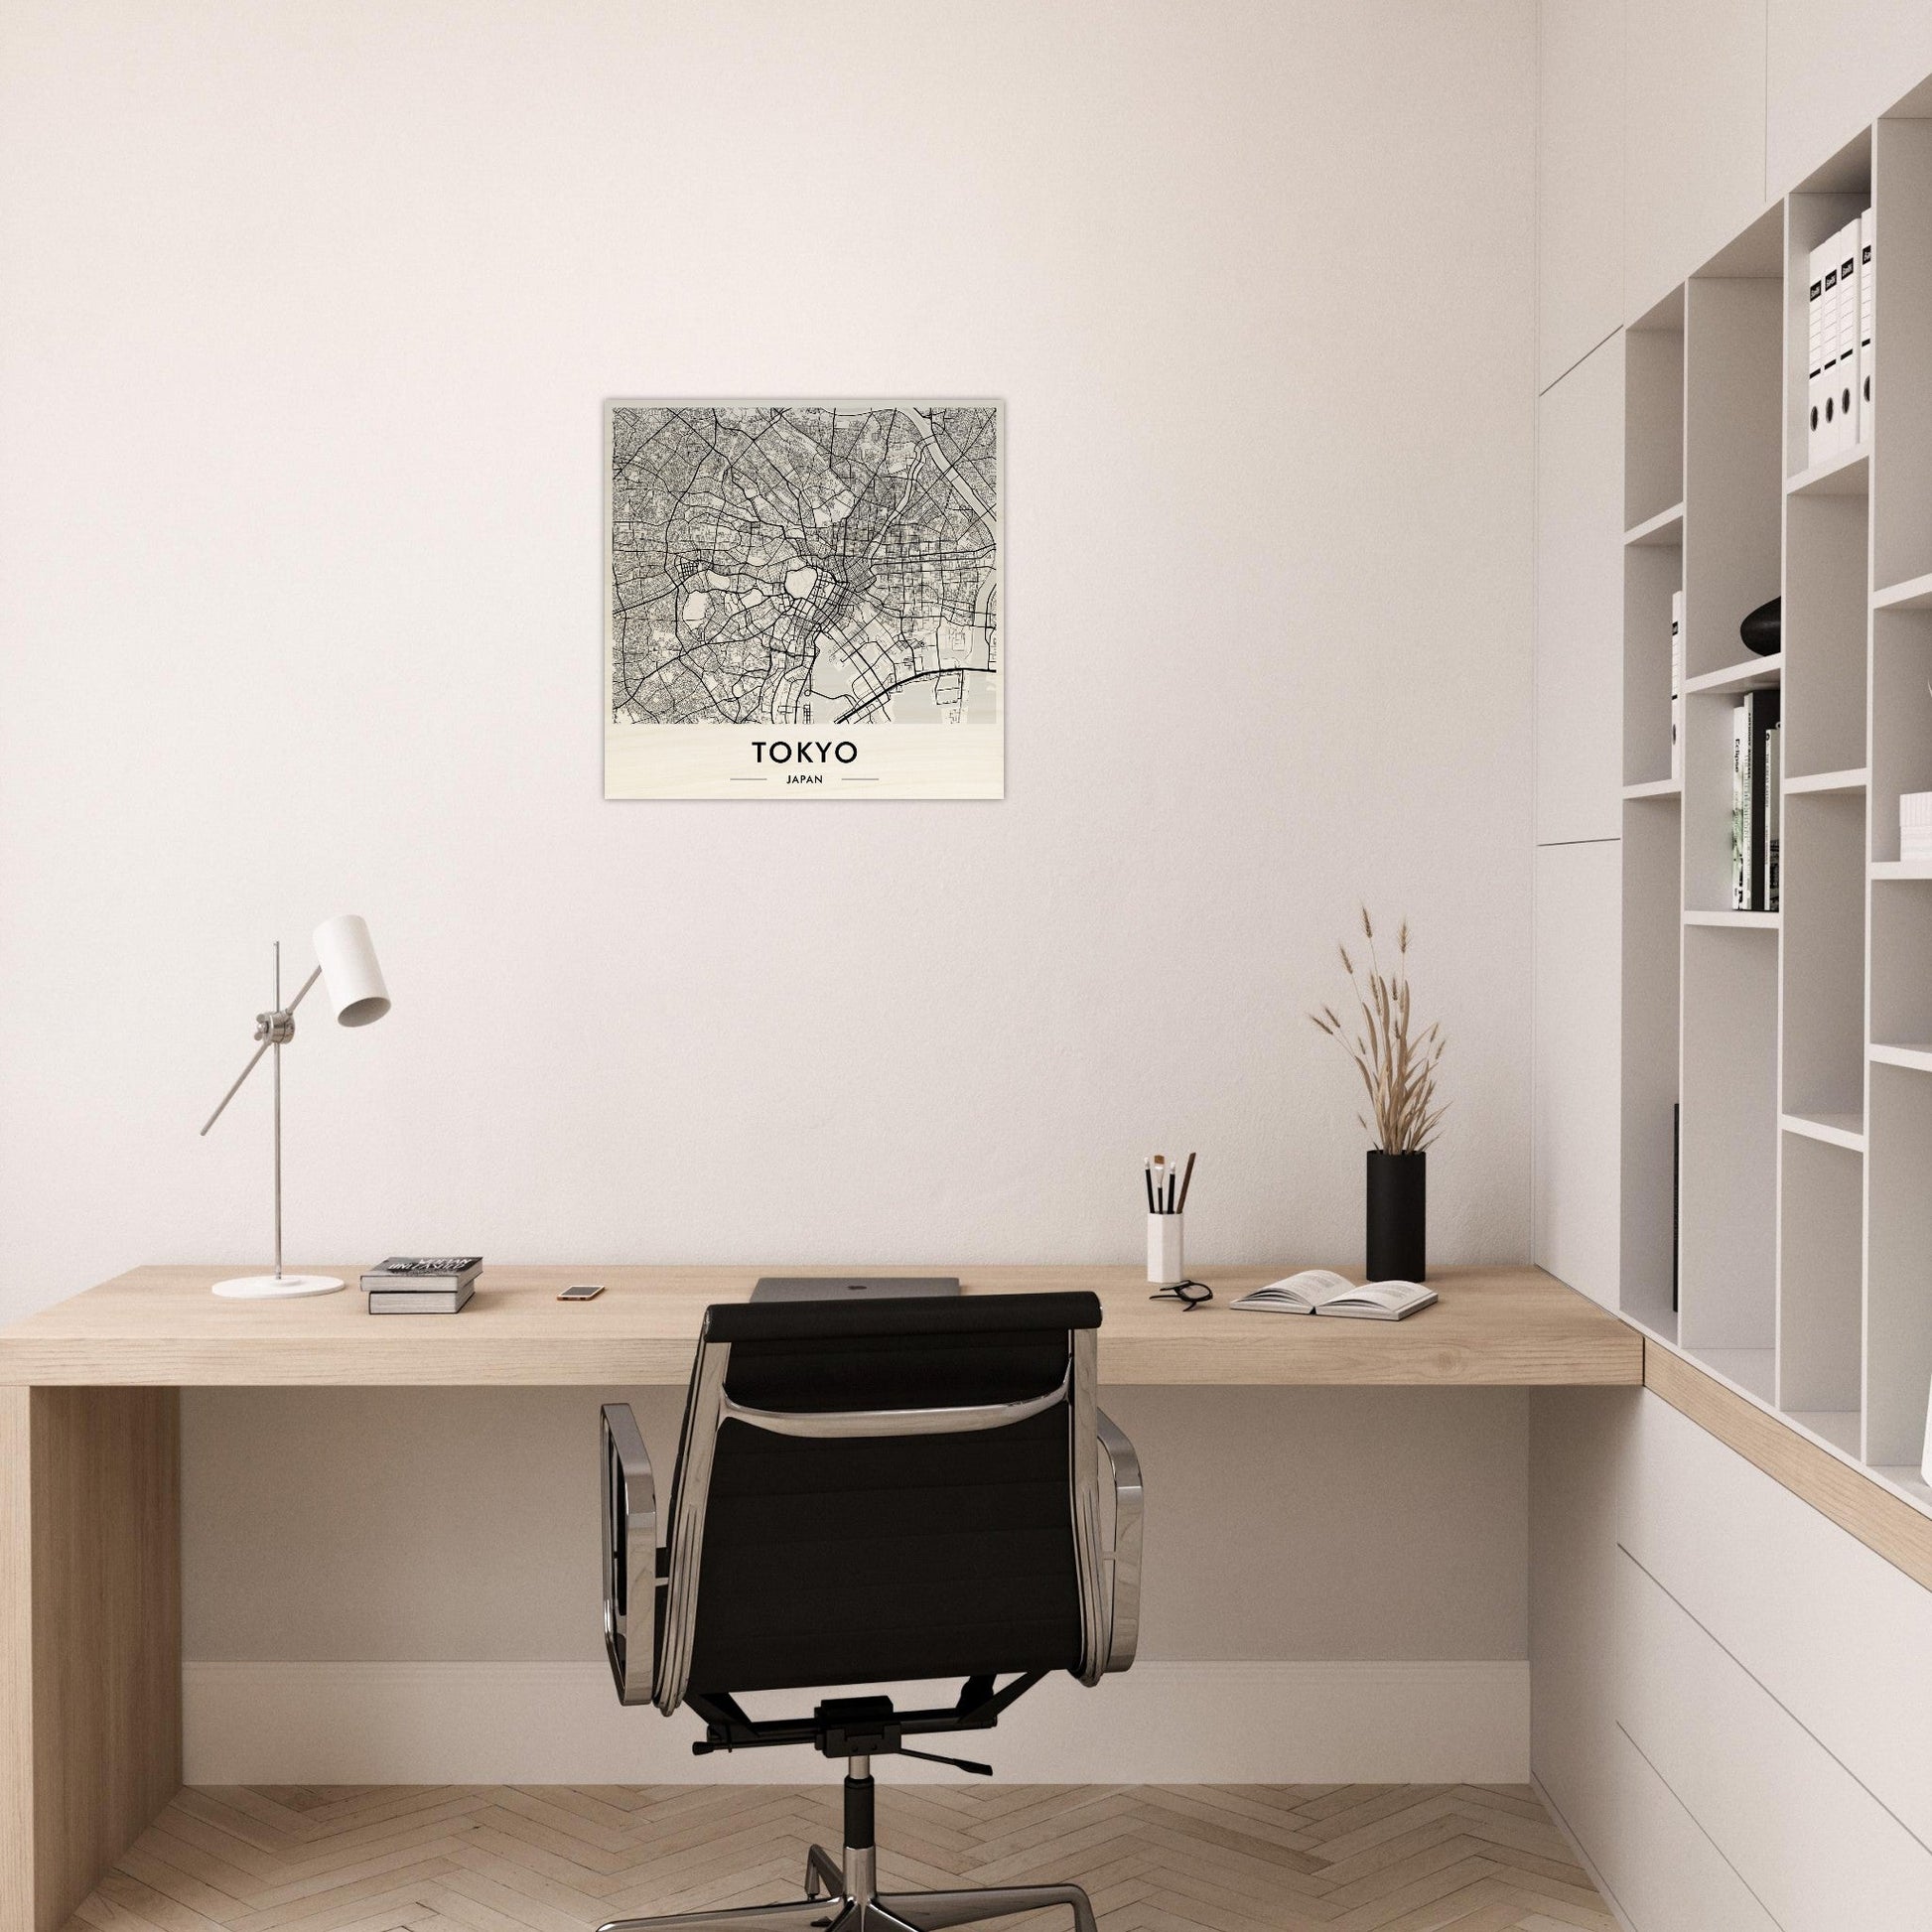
890	1490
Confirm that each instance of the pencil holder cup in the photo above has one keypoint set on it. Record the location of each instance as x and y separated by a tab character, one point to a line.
1164	1265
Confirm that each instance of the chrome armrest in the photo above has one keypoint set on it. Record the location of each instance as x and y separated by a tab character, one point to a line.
629	1555
1123	1560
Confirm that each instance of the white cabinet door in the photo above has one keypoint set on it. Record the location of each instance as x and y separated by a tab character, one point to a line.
1579	180
1835	65
1575	1111
1693	137
1578	754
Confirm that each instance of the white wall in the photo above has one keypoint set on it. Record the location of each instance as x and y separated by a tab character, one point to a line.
309	314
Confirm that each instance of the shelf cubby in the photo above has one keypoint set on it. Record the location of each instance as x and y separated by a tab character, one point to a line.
1837	194
1729	1219
1901	718
1898	1292
1902	401
1707	732
1652	854
1822	917
1652	573
1733	475
1901	963
1826	613
1821	1241
1653	418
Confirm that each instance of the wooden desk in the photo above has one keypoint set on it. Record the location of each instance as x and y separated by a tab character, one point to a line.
89	1460
161	1326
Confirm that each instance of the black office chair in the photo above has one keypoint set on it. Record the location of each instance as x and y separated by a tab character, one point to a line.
868	1494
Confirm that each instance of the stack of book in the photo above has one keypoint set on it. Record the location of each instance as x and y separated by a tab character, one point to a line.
1754	803
421	1284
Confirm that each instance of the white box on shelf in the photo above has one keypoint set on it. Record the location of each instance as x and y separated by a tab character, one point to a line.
1915	824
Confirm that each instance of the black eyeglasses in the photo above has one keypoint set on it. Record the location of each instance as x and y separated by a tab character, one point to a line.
1190	1294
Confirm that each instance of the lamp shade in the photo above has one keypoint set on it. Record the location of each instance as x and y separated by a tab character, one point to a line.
349	975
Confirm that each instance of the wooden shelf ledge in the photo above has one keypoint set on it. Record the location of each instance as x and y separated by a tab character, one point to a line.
1860	1501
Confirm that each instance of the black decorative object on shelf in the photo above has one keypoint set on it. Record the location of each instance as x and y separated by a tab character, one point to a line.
1398	1216
1763	631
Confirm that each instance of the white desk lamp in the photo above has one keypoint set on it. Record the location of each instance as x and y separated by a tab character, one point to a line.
352	981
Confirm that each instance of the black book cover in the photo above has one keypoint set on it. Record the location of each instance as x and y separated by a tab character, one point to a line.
1676	1191
1760	713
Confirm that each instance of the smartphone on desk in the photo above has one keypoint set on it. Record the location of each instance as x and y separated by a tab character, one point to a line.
582	1291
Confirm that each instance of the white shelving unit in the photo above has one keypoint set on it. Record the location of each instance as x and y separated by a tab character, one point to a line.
1797	1043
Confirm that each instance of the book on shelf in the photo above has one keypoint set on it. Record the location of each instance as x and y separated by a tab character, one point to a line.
1676	686
1773	807
420	1300
1752	817
1676	1193
1320	1290
422	1273
1740	811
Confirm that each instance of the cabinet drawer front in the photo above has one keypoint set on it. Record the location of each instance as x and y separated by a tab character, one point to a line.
1669	1877
1814	1845
1836	1636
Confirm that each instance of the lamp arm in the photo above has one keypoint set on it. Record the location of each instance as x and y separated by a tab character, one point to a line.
253	1062
314	975
270	1034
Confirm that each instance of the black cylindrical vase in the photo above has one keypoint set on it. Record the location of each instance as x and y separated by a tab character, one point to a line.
1397	1216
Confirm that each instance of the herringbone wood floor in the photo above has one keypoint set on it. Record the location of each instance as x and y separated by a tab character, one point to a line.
558	1858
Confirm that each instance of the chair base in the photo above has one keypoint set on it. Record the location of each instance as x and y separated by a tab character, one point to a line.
848	1904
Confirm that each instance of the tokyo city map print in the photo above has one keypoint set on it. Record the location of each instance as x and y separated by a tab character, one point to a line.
804	601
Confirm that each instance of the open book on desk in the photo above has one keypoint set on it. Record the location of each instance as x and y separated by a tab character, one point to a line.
1320	1290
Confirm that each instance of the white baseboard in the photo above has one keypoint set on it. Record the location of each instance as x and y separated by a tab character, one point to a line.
561	1724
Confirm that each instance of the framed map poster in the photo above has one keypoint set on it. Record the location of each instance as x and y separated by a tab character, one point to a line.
804	601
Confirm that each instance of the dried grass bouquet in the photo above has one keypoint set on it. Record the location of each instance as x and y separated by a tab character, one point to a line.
1398	1065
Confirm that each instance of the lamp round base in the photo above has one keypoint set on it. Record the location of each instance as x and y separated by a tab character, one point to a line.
275	1288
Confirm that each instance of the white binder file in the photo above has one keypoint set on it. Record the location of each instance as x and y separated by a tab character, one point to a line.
1845	390
1866	298
1814	356
1676	686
